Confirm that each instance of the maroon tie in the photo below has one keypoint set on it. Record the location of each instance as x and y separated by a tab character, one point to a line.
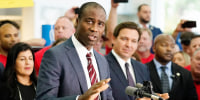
91	71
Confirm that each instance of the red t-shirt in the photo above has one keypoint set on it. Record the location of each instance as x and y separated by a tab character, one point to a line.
197	85
108	49
38	58
3	60
148	59
188	67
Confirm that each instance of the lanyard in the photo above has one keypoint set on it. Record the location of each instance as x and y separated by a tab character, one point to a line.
20	96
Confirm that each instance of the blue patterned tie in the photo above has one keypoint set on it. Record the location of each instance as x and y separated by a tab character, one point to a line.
164	80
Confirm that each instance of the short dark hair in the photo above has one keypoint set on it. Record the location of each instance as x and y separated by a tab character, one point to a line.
9	75
9	22
88	4
129	25
140	6
195	36
186	37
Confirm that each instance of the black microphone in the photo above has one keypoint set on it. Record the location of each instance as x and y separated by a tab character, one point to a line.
133	91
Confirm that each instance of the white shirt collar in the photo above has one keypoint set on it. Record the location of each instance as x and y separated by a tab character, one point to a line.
79	46
122	65
141	26
82	51
159	65
120	60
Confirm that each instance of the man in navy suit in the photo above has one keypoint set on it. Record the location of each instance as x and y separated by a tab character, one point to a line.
64	73
125	41
168	77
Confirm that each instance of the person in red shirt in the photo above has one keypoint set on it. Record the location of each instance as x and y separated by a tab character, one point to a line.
144	46
194	68
9	36
9	32
110	26
64	28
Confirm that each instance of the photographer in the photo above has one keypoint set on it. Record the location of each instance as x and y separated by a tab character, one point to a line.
186	38
177	32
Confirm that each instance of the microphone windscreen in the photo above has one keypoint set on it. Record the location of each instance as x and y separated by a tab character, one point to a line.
139	85
130	90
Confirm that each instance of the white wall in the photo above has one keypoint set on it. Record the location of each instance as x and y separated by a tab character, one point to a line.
47	11
158	13
27	27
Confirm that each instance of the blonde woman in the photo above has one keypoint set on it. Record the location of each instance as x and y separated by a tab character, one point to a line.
181	58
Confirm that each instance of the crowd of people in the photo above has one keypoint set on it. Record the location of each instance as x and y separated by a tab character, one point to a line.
75	68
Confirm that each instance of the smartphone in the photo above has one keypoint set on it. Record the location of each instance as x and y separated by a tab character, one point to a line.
189	24
120	1
76	10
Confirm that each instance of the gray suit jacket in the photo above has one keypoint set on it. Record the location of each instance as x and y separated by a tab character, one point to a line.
61	76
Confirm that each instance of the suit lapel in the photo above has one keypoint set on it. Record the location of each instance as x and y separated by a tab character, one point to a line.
138	76
76	64
151	27
117	70
176	79
154	76
99	64
102	73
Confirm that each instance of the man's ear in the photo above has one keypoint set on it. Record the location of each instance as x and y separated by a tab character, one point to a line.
189	51
0	41
77	20
113	39
138	14
154	48
191	59
151	43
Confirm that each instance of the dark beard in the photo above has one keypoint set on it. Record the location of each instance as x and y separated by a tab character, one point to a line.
144	21
161	60
5	48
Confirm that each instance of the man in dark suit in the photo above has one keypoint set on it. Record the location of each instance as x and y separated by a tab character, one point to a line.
166	76
125	41
73	70
1	70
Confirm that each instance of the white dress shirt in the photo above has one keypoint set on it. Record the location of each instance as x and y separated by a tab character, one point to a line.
141	26
82	51
122	65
